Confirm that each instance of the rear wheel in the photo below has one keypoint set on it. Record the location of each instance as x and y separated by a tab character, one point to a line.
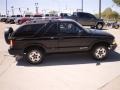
100	52
34	56
99	26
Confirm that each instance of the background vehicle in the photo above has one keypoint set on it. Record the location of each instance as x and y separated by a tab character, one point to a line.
23	19
36	39
3	18
12	18
87	19
64	15
115	25
51	16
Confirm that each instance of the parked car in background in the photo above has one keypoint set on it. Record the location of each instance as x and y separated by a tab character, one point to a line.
3	18
34	40
23	19
51	16
37	17
87	19
113	24
64	15
12	18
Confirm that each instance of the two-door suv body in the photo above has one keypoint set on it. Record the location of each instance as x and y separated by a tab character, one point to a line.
38	38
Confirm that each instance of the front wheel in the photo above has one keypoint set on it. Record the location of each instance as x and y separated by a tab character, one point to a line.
34	56
19	22
116	26
12	22
100	52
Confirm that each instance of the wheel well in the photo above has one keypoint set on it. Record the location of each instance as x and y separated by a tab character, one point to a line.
35	47
100	43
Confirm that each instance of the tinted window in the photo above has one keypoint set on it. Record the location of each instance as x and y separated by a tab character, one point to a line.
19	15
27	15
91	16
87	15
69	29
27	30
13	16
51	29
37	16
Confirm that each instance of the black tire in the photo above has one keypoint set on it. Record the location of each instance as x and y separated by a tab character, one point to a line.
34	56
12	22
19	22
99	26
99	52
116	26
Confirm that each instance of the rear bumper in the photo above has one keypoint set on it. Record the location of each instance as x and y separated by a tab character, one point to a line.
113	46
15	51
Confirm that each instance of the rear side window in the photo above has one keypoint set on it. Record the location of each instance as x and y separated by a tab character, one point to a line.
27	30
91	16
51	29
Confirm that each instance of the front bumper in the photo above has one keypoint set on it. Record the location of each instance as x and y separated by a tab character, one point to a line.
113	46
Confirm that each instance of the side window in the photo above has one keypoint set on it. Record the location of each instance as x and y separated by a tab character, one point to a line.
51	29
27	30
69	29
89	16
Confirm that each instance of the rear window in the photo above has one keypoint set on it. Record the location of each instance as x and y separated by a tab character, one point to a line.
27	30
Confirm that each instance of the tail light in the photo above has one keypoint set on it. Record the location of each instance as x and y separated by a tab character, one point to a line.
8	42
12	43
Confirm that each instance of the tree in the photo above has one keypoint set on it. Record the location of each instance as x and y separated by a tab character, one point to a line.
115	15
107	13
117	2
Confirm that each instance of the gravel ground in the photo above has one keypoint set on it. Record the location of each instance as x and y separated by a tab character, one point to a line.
60	71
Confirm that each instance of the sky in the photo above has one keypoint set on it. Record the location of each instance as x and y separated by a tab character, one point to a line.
91	6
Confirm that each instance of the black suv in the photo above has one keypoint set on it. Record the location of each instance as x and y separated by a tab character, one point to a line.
87	19
36	39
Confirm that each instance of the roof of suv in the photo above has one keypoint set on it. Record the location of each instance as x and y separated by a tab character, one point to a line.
41	21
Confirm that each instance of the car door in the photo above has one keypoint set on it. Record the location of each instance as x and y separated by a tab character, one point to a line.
81	18
86	19
90	19
71	37
49	38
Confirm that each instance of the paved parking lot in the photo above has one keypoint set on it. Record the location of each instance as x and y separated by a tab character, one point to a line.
59	71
